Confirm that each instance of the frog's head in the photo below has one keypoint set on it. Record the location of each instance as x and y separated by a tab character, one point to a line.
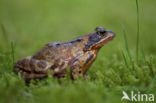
98	38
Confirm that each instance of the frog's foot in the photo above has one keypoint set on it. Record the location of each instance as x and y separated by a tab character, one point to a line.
76	73
30	68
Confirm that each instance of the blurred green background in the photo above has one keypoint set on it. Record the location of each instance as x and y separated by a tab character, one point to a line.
30	24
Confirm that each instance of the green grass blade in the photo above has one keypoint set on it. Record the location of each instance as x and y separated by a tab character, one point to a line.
126	63
143	54
138	26
126	43
4	32
12	52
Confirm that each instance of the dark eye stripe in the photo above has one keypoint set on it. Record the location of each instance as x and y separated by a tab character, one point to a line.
92	40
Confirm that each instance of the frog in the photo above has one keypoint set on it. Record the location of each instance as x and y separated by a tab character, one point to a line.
57	58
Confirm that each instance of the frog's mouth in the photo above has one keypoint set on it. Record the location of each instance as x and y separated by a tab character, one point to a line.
108	36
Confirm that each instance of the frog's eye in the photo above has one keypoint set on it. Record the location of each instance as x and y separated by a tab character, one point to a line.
100	30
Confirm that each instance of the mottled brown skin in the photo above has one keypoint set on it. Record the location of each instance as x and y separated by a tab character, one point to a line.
56	57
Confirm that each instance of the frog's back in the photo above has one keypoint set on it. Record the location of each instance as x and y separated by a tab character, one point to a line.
48	52
61	50
56	50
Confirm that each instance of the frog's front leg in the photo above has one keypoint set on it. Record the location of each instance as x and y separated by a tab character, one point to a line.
80	65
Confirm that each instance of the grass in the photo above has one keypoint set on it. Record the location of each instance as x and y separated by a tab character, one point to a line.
138	26
12	52
26	26
128	58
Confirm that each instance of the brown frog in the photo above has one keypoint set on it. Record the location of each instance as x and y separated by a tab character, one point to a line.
56	57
